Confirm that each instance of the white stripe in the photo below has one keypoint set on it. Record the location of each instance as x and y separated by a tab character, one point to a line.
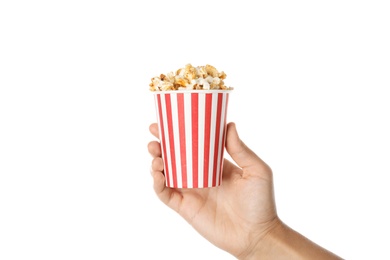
221	137
212	136
201	118
167	144
176	137
188	129
158	116
159	126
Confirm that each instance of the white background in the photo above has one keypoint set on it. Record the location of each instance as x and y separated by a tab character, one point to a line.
311	83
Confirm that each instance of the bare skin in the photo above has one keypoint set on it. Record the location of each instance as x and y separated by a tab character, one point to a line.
239	216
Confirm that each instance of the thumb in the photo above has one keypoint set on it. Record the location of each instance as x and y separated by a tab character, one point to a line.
242	155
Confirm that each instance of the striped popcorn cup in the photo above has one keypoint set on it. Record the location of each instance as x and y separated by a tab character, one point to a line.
192	128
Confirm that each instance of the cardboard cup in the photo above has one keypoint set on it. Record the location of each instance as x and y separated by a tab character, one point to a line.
192	128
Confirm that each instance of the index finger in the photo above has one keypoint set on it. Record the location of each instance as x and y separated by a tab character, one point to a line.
153	128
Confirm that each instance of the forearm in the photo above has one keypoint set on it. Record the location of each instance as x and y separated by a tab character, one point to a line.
285	243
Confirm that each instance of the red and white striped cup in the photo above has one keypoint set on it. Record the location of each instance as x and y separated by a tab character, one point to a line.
192	128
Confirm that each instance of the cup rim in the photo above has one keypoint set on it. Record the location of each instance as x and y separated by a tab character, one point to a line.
192	91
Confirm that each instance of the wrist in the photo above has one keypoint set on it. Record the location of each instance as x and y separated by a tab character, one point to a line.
268	243
265	242
282	242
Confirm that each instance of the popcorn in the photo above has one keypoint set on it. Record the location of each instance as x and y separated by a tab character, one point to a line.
190	78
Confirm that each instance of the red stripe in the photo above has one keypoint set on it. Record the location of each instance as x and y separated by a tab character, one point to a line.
182	135
207	139
217	130
224	135
171	138
162	139
195	138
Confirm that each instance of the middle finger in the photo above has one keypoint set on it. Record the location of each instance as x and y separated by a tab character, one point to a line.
154	149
